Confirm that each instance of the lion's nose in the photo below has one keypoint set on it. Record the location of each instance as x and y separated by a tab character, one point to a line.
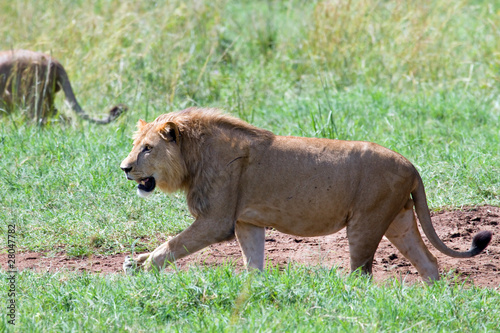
127	169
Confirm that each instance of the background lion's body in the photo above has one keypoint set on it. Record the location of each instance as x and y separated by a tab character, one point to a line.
30	81
240	179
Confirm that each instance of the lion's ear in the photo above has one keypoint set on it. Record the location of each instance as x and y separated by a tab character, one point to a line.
169	131
140	124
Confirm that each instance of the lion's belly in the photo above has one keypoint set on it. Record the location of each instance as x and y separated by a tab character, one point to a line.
294	221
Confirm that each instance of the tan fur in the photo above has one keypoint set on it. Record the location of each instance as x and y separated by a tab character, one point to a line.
240	179
31	79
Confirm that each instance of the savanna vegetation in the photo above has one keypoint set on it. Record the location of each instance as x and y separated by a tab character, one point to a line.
420	78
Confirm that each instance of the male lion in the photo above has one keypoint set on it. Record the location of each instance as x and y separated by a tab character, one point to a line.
31	79
240	179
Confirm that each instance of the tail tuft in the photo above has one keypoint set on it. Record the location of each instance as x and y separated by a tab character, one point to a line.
480	242
117	110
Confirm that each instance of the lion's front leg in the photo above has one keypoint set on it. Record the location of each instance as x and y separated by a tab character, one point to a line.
252	240
202	233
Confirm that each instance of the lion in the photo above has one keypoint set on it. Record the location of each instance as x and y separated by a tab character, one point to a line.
240	179
31	80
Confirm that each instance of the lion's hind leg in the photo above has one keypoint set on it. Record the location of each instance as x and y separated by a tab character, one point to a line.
403	233
362	246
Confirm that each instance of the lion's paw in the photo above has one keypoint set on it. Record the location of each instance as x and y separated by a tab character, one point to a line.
129	265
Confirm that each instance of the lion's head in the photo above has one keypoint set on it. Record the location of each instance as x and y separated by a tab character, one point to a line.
156	159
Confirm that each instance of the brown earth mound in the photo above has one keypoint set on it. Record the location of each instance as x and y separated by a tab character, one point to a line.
456	228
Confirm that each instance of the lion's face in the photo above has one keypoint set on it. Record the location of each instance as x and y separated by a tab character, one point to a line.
155	159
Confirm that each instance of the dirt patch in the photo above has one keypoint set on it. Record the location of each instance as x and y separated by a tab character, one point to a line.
456	228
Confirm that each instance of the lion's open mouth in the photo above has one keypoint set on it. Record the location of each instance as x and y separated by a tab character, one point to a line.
147	184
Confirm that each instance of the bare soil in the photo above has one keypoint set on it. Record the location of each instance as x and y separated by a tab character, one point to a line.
456	228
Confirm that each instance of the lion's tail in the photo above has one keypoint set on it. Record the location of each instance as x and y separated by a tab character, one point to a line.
479	242
71	100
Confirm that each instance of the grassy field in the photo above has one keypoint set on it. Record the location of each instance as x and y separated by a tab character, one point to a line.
421	79
218	300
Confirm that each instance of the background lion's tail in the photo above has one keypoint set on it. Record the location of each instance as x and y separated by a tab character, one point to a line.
115	111
479	242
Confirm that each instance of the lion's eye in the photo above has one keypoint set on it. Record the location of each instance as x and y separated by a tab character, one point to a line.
147	148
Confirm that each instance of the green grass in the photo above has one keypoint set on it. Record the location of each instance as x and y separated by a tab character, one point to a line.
421	79
297	299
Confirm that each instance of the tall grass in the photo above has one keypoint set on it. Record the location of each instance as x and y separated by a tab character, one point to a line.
406	45
245	55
